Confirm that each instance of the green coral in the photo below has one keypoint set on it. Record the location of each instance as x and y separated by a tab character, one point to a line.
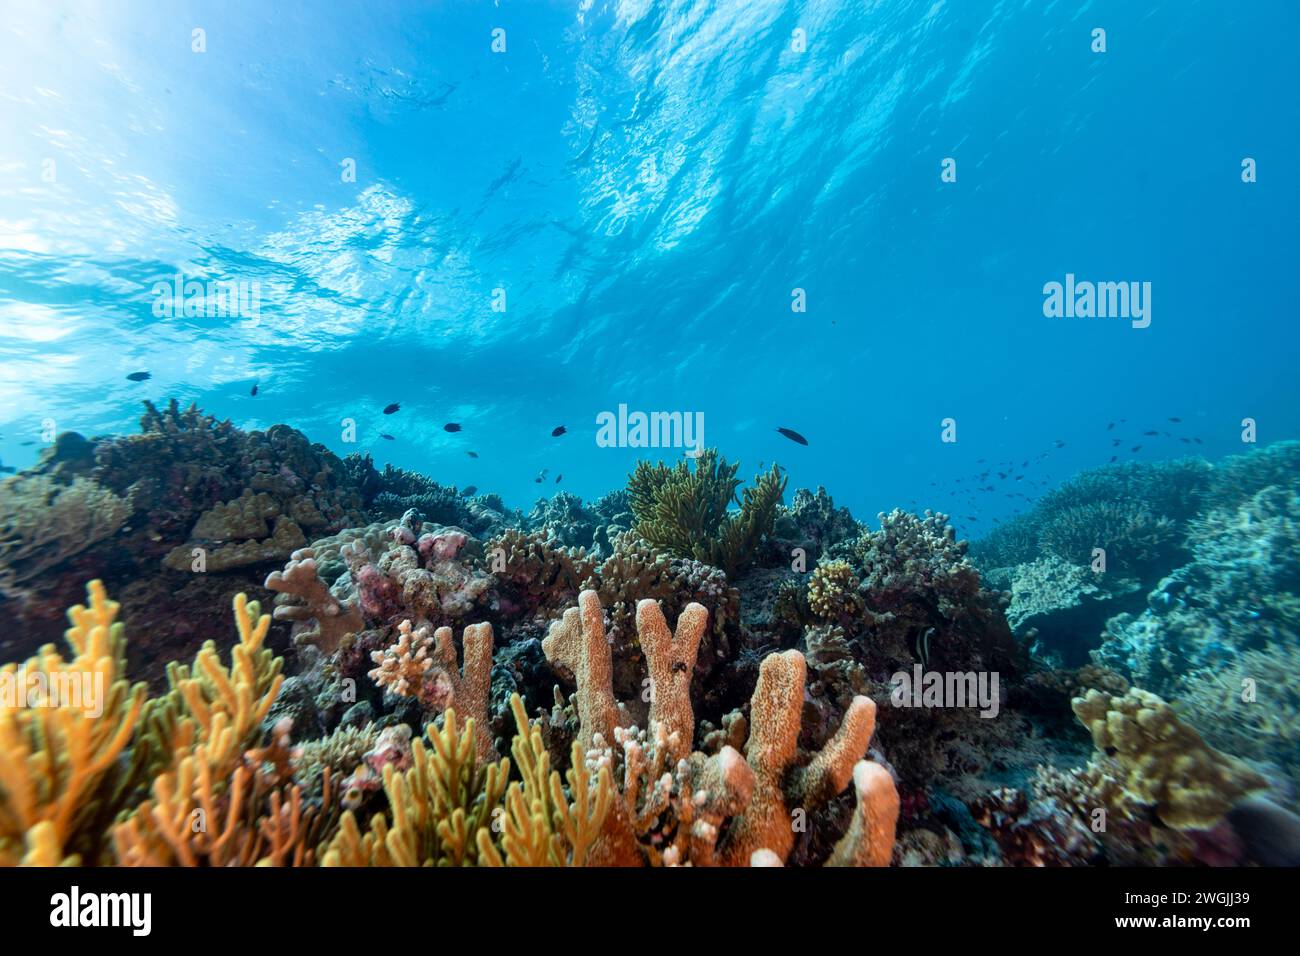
687	511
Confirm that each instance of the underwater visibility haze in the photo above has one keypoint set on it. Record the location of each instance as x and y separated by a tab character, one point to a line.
906	389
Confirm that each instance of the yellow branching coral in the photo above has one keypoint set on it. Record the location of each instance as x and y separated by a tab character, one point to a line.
63	726
439	806
1164	762
209	704
543	826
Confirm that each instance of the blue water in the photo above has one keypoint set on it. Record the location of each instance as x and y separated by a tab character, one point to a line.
648	182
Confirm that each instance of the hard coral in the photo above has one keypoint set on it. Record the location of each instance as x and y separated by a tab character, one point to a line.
1164	762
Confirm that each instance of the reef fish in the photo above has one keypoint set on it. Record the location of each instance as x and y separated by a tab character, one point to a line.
254	390
470	491
389	409
138	376
793	435
557	431
557	478
387	437
451	427
472	454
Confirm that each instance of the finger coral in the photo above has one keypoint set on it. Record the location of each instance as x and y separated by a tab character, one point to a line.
674	805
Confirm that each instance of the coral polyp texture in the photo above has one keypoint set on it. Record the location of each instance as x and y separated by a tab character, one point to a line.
672	675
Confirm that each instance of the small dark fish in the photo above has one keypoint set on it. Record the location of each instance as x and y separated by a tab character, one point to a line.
470	492
1020	477
557	478
1136	448
389	409
1116	442
472	454
1198	441
1002	474
971	518
1150	433
1176	421
1113	459
793	435
254	391
1059	443
557	431
27	444
8	469
1110	427
387	437
451	427
538	480
1185	441
1024	464
138	376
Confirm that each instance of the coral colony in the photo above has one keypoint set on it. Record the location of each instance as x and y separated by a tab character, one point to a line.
277	656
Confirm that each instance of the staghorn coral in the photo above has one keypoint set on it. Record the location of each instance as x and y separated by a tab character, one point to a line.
44	522
1249	707
1164	763
63	726
684	511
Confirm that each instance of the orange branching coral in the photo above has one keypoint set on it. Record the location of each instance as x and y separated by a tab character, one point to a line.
577	642
63	725
675	805
775	710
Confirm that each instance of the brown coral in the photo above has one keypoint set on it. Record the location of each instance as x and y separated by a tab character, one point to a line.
1164	762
